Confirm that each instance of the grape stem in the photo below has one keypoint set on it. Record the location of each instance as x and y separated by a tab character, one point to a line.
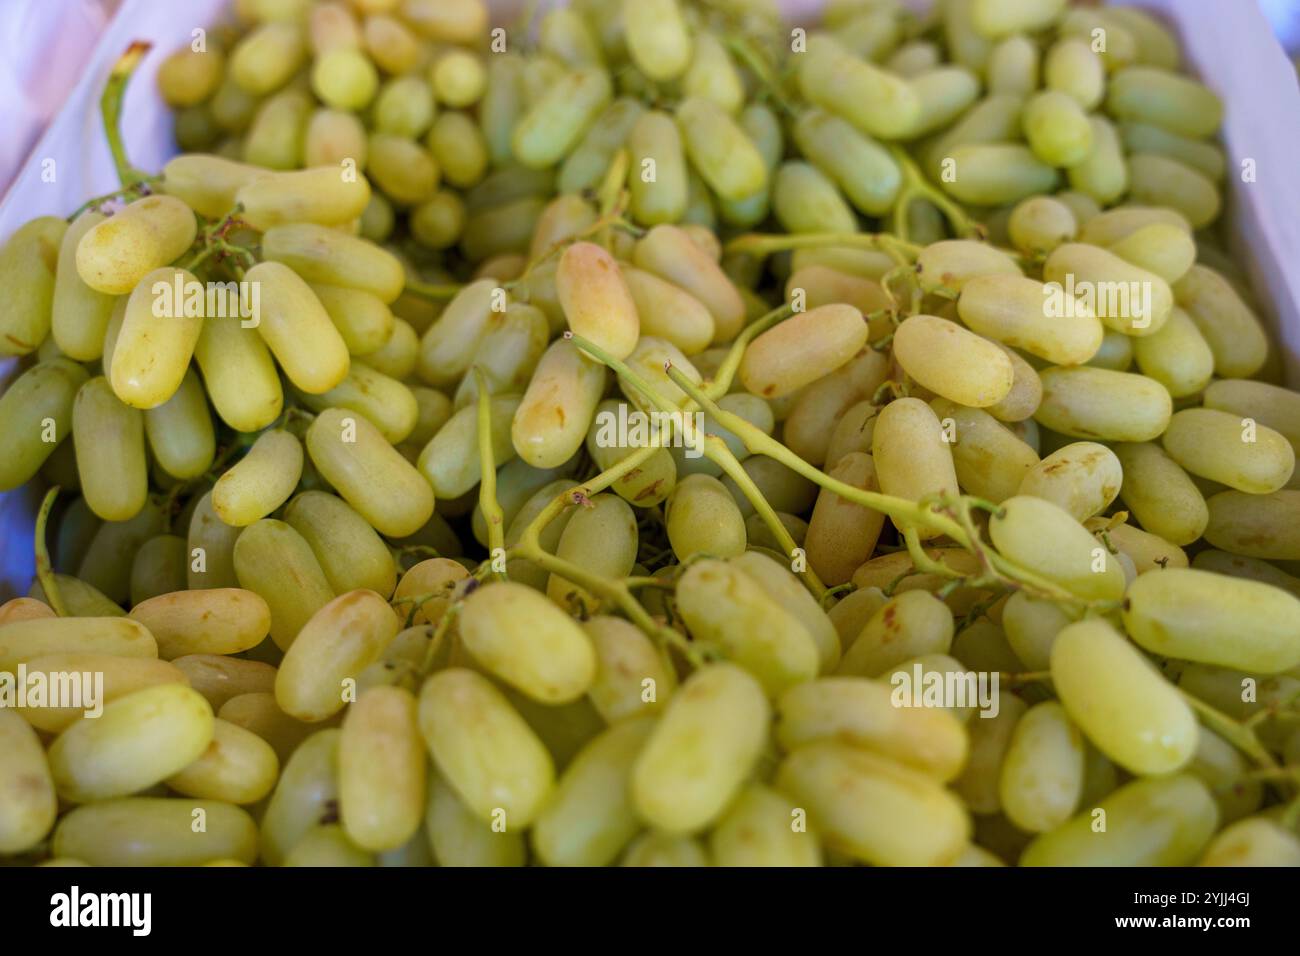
487	491
1241	737
903	511
110	109
915	186
44	569
764	244
715	449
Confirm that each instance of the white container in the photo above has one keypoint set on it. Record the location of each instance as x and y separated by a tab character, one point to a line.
1229	44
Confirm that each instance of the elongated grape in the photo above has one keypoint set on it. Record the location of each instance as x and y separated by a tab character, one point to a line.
701	750
109	438
1233	451
724	605
261	481
873	809
320	254
369	473
596	300
1118	698
1021	312
37	414
912	459
153	831
1162	821
27	268
873	100
861	167
490	756
1086	402
555	123
80	313
1197	616
139	740
382	769
273	561
1041	535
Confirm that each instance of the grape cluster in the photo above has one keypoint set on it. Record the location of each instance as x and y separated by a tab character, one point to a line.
655	433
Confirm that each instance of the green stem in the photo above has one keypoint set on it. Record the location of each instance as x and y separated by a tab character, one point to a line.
721	455
110	109
487	492
726	373
916	186
431	291
1242	738
761	244
616	592
44	569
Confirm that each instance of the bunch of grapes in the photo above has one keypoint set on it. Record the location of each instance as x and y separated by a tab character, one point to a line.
655	433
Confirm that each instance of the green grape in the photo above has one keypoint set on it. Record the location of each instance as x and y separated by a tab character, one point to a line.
658	41
37	412
1216	445
989	174
206	621
138	741
806	200
494	762
382	770
109	438
276	137
997	18
1104	174
273	561
27	269
507	353
154	831
1039	534
159	568
266	58
450	463
349	550
873	100
1071	67
324	195
873	809
326	255
1163	821
189	76
388	404
335	138
1057	128
1164	99
390	43
701	751
1205	158
1013	67
657	175
344	79
1233	331
1133	715
458	148
550	128
1161	181
239	767
373	477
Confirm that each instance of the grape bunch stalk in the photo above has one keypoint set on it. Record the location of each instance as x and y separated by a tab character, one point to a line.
653	433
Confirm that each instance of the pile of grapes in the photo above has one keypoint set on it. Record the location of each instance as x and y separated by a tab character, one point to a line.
654	433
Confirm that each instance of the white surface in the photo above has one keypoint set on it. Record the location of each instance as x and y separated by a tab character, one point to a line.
1228	43
42	46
